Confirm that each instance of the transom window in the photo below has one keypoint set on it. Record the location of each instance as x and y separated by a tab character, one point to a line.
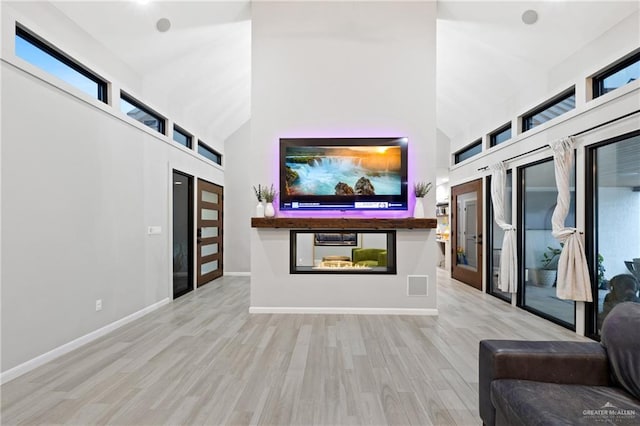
210	153
182	137
36	51
617	76
503	134
139	112
468	152
557	106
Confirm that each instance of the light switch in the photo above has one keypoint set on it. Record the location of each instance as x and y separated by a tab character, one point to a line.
154	230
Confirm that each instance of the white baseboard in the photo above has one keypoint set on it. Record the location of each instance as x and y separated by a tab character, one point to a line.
27	366
237	274
346	311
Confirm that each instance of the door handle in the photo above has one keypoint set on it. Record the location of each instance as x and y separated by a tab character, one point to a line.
199	233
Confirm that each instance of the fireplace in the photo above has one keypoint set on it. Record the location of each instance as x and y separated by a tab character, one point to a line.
349	252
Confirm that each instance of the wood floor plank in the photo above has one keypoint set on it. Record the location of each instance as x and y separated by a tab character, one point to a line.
203	359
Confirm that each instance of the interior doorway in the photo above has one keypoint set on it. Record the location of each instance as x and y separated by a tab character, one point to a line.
466	237
182	233
209	242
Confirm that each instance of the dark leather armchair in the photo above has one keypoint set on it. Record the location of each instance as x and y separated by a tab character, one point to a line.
564	383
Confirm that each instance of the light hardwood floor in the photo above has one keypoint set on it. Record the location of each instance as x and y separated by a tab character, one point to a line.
204	360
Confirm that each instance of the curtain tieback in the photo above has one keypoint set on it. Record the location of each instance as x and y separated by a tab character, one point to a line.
564	234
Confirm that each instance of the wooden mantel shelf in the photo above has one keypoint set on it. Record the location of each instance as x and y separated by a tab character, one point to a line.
342	223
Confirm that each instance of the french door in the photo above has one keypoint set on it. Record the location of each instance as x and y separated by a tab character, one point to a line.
466	240
209	231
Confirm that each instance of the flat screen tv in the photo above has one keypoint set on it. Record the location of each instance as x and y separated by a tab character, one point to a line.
343	174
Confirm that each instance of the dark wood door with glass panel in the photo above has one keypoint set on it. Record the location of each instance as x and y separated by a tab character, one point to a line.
466	233
209	248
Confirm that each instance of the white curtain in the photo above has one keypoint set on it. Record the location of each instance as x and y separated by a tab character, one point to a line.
508	273
573	281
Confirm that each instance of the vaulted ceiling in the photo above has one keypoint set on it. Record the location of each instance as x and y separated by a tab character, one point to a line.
485	53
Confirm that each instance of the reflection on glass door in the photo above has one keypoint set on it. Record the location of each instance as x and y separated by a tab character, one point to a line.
496	236
182	234
615	250
539	249
209	232
466	239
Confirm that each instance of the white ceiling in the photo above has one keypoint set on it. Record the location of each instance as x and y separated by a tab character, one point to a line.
485	53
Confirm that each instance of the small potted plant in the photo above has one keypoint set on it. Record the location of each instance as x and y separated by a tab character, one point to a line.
269	194
260	206
420	189
547	275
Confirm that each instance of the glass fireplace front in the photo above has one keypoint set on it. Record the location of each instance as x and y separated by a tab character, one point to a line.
343	252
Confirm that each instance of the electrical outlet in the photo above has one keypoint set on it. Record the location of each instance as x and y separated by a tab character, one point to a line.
98	305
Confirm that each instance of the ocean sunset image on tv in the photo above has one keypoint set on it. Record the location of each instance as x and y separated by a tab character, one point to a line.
326	170
349	173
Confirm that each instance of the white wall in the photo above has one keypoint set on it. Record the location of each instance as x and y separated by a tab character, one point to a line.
342	69
239	201
81	183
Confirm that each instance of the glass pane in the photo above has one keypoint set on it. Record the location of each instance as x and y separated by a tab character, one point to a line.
620	78
541	249
469	152
208	214
467	232
206	268
348	252
210	197
209	249
182	138
552	111
209	231
209	153
140	115
45	61
182	250
618	219
497	236
501	137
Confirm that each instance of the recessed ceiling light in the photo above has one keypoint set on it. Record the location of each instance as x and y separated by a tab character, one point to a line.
142	1
530	17
163	25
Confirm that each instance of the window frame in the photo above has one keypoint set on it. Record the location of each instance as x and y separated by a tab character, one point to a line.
162	122
184	133
47	48
520	186
457	154
501	129
592	225
562	96
211	150
597	80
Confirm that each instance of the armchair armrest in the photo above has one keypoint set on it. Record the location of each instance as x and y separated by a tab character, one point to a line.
580	363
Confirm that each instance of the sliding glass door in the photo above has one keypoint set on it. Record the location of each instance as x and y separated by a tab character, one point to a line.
539	250
613	203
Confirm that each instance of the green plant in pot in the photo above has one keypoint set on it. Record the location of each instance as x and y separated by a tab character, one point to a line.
546	276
